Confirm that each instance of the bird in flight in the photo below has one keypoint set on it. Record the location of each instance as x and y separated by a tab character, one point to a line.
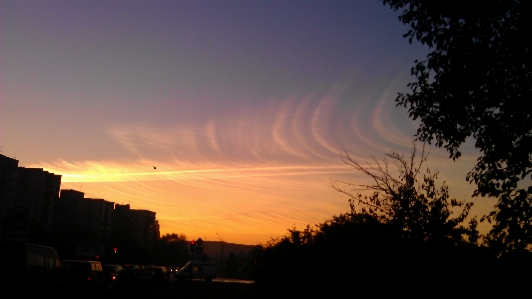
154	167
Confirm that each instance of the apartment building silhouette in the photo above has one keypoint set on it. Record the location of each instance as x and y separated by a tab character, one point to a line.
28	199
33	208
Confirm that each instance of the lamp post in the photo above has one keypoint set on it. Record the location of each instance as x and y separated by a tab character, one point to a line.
221	251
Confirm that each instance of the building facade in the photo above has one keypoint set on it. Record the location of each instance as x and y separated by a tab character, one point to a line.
221	252
67	210
92	216
28	200
135	229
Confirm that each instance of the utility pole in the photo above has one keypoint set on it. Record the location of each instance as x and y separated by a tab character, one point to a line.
221	251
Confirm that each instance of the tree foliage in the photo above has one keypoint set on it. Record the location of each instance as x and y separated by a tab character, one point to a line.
402	232
328	256
512	223
408	200
171	250
476	82
358	251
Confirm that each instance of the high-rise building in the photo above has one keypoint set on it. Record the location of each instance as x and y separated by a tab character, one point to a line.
85	219
94	216
138	226
28	200
67	209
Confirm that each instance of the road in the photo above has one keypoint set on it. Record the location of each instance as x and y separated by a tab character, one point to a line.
218	288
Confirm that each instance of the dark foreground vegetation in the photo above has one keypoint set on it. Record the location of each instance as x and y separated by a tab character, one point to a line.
404	236
356	254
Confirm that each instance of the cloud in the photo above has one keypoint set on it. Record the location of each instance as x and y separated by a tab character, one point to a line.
257	169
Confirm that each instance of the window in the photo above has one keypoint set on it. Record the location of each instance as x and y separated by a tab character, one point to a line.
34	260
48	262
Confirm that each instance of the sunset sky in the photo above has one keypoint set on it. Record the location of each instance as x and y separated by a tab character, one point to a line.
243	107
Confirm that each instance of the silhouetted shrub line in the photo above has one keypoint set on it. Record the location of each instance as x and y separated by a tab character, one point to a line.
400	239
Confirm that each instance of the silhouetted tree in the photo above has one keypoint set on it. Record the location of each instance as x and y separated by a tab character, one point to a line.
306	262
476	82
400	238
355	252
171	250
512	227
408	200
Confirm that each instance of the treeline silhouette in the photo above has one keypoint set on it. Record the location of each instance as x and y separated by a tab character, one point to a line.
400	239
171	250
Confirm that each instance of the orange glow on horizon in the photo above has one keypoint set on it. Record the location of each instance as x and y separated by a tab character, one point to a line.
246	204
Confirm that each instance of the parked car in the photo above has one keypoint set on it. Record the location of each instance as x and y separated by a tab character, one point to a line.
127	277
131	266
135	277
205	270
111	273
161	275
84	272
31	265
